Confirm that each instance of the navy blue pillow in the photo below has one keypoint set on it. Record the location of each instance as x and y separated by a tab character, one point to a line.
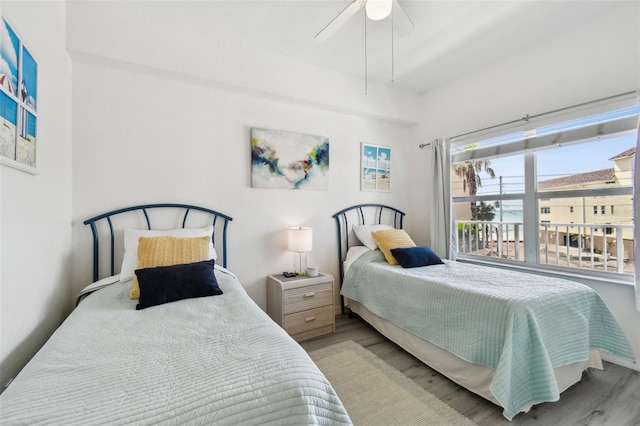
413	257
164	284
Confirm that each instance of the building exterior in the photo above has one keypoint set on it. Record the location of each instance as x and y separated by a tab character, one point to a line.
593	210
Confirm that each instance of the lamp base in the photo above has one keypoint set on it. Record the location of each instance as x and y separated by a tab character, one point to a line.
301	265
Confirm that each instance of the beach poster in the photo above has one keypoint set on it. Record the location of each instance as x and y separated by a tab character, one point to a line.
375	168
18	101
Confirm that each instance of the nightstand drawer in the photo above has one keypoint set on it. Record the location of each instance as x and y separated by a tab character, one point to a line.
309	320
305	298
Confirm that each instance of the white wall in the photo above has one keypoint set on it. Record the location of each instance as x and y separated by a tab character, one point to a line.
600	59
36	210
145	130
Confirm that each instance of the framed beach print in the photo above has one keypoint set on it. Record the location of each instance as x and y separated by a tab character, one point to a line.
18	102
375	168
288	160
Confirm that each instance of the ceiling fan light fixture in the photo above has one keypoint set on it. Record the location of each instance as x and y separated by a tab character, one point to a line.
378	9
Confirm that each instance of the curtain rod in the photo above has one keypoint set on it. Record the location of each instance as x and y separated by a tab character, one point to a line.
528	117
422	145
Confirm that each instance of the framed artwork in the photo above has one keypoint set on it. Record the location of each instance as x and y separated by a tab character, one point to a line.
18	101
287	160
375	168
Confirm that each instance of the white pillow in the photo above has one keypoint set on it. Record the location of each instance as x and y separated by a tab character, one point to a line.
131	236
354	254
363	232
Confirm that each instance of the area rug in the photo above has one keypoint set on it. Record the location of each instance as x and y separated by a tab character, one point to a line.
374	393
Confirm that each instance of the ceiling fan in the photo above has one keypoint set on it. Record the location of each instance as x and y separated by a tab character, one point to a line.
376	10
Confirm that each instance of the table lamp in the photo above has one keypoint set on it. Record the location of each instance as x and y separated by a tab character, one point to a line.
300	242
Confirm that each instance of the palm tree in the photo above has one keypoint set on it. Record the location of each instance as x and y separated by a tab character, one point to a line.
470	171
486	211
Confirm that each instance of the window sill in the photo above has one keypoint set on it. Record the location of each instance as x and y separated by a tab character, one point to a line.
597	276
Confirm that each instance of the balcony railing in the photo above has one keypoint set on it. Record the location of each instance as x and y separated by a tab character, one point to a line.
596	246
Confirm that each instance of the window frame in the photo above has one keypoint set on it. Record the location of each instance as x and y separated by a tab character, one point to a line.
530	199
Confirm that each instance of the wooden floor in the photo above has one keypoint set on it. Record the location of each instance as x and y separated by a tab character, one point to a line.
610	397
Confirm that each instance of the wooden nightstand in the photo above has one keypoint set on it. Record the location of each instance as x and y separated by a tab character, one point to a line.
303	306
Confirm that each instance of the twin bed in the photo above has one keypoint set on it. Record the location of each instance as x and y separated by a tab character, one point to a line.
217	359
515	339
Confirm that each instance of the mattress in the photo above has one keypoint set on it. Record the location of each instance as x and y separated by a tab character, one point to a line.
520	326
207	360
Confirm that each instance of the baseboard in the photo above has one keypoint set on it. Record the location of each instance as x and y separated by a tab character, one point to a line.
633	365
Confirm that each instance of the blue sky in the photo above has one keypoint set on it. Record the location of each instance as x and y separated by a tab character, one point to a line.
9	53
378	153
582	157
556	162
552	163
561	160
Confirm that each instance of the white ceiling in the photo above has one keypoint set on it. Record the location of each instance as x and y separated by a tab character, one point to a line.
450	38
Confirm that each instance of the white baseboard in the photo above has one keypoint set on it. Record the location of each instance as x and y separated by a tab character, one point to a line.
633	365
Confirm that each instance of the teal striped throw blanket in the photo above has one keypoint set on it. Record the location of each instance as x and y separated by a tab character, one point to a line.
521	325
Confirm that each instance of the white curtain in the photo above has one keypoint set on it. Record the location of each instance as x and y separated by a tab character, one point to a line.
441	219
636	218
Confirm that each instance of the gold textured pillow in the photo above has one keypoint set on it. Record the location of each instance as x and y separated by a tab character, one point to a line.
392	239
168	251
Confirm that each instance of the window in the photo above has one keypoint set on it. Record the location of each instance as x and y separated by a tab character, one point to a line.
518	212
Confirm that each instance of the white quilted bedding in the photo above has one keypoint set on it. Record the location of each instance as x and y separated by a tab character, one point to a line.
211	360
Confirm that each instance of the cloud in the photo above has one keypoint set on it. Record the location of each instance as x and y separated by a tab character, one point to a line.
4	67
8	51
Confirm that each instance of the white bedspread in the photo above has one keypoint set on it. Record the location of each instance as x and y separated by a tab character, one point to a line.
211	360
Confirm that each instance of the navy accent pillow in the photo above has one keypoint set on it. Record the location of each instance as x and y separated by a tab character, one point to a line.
164	284
412	257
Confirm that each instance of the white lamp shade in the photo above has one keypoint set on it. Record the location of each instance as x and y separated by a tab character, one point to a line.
300	239
378	9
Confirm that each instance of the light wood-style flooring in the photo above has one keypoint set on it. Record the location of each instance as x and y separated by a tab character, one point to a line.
610	397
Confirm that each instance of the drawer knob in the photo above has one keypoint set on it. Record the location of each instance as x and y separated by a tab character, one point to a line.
309	319
307	295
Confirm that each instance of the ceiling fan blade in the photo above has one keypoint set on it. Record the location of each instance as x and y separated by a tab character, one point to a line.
340	20
402	25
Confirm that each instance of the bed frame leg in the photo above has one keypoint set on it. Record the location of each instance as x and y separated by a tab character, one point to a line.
352	314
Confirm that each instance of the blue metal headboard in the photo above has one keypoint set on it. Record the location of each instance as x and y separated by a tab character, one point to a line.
362	214
145	208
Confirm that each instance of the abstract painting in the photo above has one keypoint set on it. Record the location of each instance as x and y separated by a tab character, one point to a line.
18	101
375	168
288	160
